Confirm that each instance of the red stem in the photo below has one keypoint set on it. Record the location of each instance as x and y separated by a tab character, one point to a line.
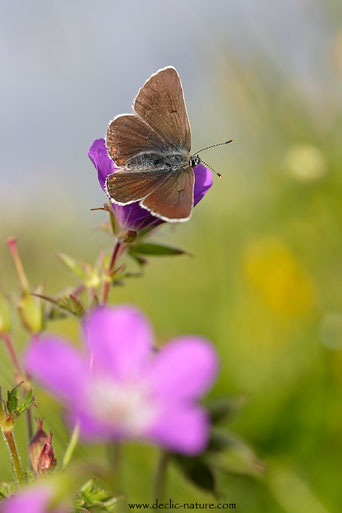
107	283
10	348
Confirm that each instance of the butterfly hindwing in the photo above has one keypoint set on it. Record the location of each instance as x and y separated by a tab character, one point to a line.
168	193
151	148
129	186
174	198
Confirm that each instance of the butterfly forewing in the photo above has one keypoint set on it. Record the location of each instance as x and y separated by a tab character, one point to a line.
152	147
160	102
128	135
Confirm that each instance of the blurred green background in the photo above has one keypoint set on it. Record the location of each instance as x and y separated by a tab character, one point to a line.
265	280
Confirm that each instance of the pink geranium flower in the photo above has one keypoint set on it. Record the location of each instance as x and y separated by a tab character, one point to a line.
35	499
122	388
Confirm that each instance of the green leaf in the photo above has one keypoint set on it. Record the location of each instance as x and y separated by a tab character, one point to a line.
95	302
107	208
152	249
72	265
12	399
68	303
138	259
82	270
6	489
28	401
198	471
31	312
72	304
92	496
231	454
224	408
56	313
14	404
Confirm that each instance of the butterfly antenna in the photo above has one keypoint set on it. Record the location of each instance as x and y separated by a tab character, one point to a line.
212	169
214	146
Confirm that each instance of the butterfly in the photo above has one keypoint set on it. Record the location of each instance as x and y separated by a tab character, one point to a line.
151	149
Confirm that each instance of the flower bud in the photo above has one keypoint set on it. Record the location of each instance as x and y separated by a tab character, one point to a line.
40	451
30	308
82	270
31	312
6	421
130	236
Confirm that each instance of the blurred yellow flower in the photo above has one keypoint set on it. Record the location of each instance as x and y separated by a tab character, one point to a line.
282	282
305	162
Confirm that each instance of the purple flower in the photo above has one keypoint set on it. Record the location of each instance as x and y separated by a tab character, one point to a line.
123	389
35	499
134	217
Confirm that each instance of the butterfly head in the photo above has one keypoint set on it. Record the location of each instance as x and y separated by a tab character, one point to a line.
194	160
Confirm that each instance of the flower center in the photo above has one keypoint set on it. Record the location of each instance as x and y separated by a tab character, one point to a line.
128	407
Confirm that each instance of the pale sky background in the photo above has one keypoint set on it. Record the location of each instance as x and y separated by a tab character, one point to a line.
68	67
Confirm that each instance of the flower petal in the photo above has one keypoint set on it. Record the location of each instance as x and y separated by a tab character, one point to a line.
35	499
99	156
119	340
130	217
134	217
184	369
203	182
59	367
91	429
183	429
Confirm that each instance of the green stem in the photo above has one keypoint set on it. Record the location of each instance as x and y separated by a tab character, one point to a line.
159	483
71	447
29	422
115	455
11	351
17	468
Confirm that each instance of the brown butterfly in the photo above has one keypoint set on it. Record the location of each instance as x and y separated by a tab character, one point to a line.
151	148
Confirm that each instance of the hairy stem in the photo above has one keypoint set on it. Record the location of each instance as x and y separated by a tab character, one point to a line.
11	351
16	464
